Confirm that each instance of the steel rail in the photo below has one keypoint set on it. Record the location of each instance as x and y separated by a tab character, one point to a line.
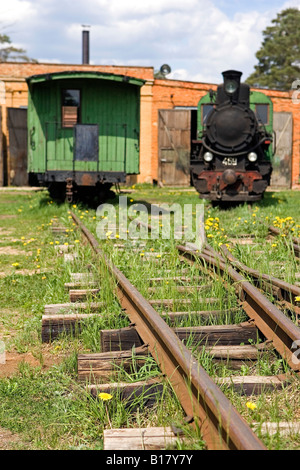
221	425
288	291
273	324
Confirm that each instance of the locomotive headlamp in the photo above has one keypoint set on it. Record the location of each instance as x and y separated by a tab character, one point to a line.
208	156
252	157
231	81
231	87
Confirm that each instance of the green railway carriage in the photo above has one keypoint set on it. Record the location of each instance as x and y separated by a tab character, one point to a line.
83	130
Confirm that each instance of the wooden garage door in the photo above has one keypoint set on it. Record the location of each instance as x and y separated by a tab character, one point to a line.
17	149
282	161
174	137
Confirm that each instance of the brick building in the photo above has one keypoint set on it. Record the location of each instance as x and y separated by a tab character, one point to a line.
168	117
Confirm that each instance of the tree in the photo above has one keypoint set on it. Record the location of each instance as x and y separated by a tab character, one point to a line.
9	53
279	56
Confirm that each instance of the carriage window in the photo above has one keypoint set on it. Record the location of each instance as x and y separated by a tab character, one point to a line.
262	113
70	107
206	109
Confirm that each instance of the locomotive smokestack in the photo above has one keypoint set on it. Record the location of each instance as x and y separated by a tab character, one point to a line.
85	45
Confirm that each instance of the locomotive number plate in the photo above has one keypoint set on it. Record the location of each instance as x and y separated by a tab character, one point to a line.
229	161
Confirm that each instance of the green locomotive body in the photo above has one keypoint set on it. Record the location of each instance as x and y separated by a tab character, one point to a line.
83	130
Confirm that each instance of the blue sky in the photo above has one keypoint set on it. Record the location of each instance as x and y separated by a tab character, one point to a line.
197	38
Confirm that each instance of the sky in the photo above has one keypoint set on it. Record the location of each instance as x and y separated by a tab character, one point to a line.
197	38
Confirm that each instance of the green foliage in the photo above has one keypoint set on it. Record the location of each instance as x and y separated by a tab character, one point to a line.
279	55
9	53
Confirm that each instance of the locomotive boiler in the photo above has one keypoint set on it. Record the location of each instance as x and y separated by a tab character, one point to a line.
231	160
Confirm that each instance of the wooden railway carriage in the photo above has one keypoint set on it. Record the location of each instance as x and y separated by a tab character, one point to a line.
83	131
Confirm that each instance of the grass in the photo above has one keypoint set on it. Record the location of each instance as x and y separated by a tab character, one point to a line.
43	387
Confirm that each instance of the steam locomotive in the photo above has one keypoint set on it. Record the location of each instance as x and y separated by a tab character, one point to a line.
231	160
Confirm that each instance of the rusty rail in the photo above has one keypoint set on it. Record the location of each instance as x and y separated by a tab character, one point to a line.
286	291
273	324
221	425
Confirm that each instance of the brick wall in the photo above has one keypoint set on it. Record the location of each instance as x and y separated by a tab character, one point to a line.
23	70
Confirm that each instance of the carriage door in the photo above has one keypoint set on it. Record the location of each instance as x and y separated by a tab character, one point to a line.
282	160
86	142
174	146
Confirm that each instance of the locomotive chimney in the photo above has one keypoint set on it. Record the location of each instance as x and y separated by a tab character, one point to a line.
85	45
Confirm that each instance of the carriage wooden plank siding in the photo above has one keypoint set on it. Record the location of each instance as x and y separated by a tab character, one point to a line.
104	109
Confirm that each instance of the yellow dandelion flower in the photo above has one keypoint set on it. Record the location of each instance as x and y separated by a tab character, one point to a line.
76	241
16	265
142	254
44	277
251	405
158	256
297	298
51	243
105	396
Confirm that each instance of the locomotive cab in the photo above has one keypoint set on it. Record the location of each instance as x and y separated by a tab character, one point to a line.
231	159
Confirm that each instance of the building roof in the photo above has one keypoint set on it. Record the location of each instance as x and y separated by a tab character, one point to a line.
75	74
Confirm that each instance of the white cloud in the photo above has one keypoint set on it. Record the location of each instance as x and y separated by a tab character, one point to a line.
198	38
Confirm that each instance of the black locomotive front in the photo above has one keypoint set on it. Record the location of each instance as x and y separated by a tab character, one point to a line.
230	162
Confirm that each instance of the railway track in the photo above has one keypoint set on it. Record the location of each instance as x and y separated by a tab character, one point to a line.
204	403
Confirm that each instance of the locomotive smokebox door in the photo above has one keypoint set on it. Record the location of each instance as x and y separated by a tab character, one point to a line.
86	142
